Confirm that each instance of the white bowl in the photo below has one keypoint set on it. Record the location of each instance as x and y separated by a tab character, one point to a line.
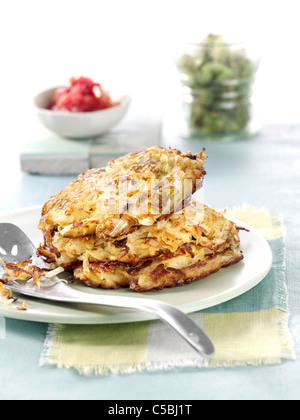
79	124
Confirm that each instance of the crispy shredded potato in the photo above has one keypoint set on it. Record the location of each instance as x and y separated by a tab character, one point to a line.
134	224
6	298
133	191
189	245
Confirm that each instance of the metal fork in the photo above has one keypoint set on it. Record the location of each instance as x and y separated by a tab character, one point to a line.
15	246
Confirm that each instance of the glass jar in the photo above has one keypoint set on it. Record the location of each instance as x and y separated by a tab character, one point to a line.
217	84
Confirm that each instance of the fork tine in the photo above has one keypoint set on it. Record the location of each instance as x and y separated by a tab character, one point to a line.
3	253
15	243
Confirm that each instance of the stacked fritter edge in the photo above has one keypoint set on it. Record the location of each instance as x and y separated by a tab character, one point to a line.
134	224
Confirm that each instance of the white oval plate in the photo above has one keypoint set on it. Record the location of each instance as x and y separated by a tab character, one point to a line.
220	287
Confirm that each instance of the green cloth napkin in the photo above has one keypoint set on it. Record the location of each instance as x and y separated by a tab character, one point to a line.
249	330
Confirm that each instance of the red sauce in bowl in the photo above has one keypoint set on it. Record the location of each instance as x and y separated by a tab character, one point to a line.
83	95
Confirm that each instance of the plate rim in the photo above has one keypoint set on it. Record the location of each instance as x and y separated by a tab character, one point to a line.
133	316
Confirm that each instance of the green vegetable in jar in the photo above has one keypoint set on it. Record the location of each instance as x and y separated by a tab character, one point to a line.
217	82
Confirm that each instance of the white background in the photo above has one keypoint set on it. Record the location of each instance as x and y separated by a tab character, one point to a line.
129	45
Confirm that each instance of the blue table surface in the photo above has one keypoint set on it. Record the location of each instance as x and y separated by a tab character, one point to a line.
263	171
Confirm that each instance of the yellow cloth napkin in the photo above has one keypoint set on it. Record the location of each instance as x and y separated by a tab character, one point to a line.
249	330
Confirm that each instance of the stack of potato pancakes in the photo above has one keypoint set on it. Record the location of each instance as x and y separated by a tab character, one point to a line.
134	224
